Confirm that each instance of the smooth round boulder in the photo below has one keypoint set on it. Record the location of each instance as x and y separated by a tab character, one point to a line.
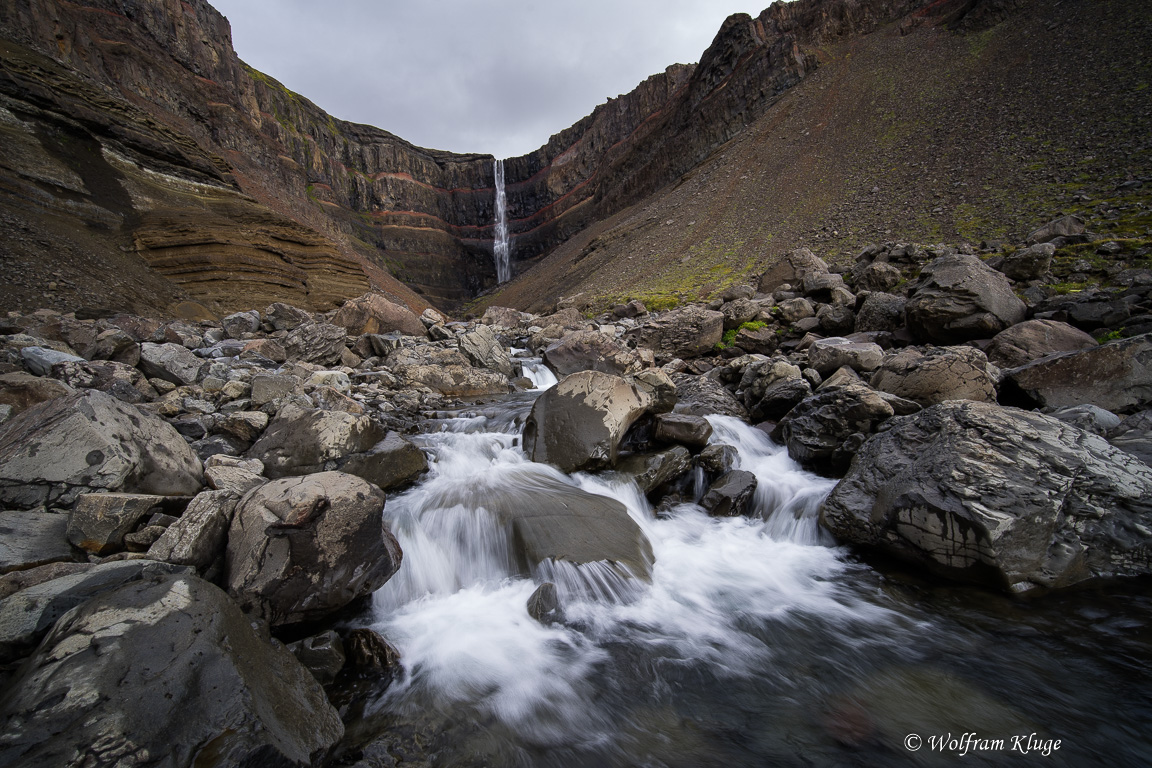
580	422
1034	339
300	549
928	375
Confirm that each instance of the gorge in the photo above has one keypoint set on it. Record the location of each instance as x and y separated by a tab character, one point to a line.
794	408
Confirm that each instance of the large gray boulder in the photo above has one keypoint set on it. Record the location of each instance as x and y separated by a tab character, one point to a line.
770	388
958	298
1034	339
300	549
28	615
686	332
881	312
704	396
591	351
996	495
100	521
1030	263
928	375
580	422
484	349
1134	435
163	672
394	462
171	362
21	390
829	355
373	313
88	441
313	342
791	269
1116	376
198	538
300	441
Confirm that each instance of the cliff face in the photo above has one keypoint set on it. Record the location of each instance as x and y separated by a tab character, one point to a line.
201	178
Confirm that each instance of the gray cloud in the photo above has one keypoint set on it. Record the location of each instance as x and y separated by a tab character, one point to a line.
497	76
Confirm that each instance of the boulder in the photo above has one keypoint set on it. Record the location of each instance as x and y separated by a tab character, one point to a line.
928	375
285	317
99	521
54	452
763	341
114	344
28	615
771	387
120	380
739	311
14	581
198	537
704	396
829	355
319	343
880	312
372	313
544	604
1034	339
660	388
268	387
651	470
819	431
322	655
795	310
1090	418
996	495
300	549
686	332
301	441
1116	376
1031	263
40	359
504	317
684	429
240	323
958	298
791	269
22	390
1134	435
484	349
591	351
33	538
1061	227
166	669
170	362
731	495
394	462
836	319
580	422
245	426
876	276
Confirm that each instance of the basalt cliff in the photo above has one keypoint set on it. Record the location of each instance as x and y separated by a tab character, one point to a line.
148	168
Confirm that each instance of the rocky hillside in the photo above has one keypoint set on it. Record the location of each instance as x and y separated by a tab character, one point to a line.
927	128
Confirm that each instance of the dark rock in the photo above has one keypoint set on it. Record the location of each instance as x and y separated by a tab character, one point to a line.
58	450
1061	227
99	521
1031	263
322	655
653	469
300	549
320	343
685	429
394	462
829	355
704	396
484	349
544	605
285	317
880	312
199	537
365	650
170	362
1116	376
836	319
1034	339
816	430
717	459
958	298
164	668
876	276
763	341
238	324
791	270
731	495
989	494
22	390
580	422
1134	435
1088	418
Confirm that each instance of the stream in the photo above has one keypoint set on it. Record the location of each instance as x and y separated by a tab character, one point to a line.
758	642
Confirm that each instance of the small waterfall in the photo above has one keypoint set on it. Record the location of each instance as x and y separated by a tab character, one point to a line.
541	375
500	244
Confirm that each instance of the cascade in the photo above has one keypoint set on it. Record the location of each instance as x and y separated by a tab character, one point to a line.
500	244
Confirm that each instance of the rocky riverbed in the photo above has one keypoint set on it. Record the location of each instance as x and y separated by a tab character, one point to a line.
197	515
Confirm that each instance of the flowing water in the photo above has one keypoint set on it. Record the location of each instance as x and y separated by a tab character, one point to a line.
758	642
500	243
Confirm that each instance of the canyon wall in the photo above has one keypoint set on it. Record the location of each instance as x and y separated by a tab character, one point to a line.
204	179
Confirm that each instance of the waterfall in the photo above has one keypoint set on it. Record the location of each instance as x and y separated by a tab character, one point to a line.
500	244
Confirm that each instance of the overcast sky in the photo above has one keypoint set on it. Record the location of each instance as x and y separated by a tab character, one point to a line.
495	76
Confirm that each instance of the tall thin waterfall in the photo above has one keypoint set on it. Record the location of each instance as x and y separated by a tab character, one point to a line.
500	245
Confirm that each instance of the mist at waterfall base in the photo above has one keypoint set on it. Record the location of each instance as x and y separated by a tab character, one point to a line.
500	244
758	642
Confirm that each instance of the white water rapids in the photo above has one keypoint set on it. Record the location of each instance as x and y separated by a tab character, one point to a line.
756	643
